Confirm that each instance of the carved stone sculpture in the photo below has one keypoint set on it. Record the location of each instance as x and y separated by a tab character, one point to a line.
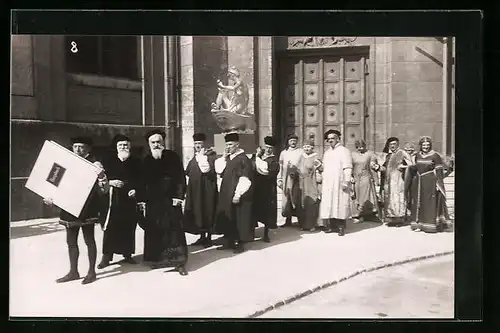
317	41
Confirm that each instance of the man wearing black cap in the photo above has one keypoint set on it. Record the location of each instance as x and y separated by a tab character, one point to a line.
201	194
336	184
234	208
287	180
264	189
123	172
164	187
92	213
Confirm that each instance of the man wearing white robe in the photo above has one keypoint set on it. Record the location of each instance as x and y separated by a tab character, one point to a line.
287	182
335	192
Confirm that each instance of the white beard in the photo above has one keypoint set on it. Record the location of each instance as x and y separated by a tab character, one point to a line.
157	153
123	155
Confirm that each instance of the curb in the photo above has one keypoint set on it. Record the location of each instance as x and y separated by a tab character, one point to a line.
329	284
33	222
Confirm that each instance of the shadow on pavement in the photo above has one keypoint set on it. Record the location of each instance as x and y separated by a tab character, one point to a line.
35	230
360	226
119	267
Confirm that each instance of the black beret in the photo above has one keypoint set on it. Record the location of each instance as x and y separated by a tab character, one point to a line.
199	137
292	136
232	137
82	139
153	132
332	131
391	139
120	137
270	141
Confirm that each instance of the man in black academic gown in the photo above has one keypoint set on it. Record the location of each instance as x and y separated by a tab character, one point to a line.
164	186
123	171
234	207
201	194
267	168
93	212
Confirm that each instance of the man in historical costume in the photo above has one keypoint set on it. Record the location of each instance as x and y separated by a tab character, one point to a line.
288	179
264	189
123	172
164	186
93	212
234	207
427	195
201	194
392	182
336	186
232	98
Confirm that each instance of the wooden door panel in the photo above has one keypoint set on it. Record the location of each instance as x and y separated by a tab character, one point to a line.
311	71
352	91
311	93
293	115
352	133
311	115
353	70
332	92
333	114
353	113
331	70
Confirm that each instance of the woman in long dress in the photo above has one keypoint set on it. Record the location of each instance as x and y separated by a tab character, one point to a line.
365	203
309	189
427	196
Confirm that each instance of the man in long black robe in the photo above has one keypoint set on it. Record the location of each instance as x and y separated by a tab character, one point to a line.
234	207
267	167
201	194
164	187
123	171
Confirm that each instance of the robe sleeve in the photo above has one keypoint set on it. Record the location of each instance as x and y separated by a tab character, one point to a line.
244	182
261	166
220	165
281	161
347	164
273	167
202	161
179	176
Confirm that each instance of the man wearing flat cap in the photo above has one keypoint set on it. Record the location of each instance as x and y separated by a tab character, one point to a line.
93	212
164	187
201	194
234	208
287	180
264	204
123	171
336	185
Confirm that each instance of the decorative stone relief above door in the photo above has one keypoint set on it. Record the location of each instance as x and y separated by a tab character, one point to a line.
315	41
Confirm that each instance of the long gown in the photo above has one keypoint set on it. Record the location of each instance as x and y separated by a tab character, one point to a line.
264	190
393	186
119	236
309	191
337	168
364	184
290	196
427	193
164	236
201	195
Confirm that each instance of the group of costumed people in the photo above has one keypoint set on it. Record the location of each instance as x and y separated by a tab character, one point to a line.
229	195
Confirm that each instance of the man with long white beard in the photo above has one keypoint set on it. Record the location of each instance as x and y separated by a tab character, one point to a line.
124	171
164	188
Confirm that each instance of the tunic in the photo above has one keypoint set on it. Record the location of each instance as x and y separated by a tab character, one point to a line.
289	177
164	183
264	190
309	191
119	236
393	184
201	194
337	168
95	208
364	183
235	220
427	194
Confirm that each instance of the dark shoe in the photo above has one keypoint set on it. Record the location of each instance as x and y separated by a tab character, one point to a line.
182	270
286	225
238	248
157	265
199	242
208	243
103	264
341	231
328	230
266	239
129	260
69	277
89	278
226	247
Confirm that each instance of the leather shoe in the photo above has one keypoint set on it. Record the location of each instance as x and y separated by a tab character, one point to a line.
89	278
238	249
266	239
327	230
341	231
130	260
182	270
68	277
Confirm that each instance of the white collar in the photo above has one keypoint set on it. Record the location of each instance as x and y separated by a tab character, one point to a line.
429	153
310	155
236	153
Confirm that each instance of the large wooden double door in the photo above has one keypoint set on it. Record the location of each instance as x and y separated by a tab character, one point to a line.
324	92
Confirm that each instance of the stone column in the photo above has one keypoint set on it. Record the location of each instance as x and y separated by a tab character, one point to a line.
187	96
264	82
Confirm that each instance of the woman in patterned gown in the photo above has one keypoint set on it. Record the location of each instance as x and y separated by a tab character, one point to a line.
427	196
365	204
309	189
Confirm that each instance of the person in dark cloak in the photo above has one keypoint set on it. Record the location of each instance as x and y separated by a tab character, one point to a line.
267	167
164	186
123	172
201	194
93	212
234	207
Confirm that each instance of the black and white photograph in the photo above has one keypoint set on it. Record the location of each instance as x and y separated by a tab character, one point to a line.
186	176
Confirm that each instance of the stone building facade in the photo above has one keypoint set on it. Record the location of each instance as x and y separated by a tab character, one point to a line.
367	87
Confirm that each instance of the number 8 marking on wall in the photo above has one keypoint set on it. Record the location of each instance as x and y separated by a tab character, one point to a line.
74	47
